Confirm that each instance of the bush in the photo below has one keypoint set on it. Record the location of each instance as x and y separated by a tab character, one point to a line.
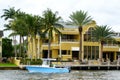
31	61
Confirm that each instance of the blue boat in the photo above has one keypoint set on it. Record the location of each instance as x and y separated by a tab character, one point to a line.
40	69
45	68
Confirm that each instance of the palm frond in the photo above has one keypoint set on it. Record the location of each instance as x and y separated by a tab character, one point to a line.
50	22
101	33
80	18
13	34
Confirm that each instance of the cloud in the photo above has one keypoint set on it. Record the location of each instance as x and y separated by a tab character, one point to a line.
104	12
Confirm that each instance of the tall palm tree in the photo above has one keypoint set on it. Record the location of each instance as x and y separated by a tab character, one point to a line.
34	26
19	26
9	27
41	37
101	34
51	24
10	14
80	19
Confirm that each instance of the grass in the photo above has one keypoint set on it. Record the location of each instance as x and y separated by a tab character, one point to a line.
7	65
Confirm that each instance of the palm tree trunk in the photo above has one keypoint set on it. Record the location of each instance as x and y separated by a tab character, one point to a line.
34	48
38	47
30	48
24	52
80	48
49	45
15	49
32	55
101	56
20	47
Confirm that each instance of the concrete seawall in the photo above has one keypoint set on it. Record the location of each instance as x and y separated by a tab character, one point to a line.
10	68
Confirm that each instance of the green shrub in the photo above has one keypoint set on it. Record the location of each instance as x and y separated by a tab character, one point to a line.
31	61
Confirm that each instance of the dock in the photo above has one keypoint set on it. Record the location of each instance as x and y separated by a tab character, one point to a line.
91	65
95	67
88	66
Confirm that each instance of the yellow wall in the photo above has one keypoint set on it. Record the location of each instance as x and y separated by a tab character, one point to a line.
55	53
67	46
111	49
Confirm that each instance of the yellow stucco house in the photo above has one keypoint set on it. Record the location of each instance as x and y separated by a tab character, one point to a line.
67	46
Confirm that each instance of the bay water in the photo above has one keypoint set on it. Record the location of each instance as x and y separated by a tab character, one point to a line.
73	75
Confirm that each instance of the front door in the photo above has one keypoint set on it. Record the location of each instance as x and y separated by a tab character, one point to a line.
75	55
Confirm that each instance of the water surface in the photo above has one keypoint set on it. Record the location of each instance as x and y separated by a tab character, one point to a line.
73	75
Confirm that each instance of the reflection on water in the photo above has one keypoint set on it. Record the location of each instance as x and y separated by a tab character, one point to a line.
73	75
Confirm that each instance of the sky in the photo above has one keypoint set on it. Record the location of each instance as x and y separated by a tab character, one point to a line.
104	12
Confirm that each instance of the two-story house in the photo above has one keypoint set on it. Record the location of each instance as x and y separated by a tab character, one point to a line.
66	46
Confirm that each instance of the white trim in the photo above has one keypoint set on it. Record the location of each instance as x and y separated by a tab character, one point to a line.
75	48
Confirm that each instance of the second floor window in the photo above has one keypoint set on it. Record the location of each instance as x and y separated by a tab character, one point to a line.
88	36
69	37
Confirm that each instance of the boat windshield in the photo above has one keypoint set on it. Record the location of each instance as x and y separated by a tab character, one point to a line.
47	61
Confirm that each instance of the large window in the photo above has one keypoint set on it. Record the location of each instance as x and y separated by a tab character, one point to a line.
91	52
88	36
64	52
68	37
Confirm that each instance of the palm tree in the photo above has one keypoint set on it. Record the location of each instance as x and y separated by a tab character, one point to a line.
22	24
9	27
101	34
10	13
80	19
41	37
51	25
19	26
34	26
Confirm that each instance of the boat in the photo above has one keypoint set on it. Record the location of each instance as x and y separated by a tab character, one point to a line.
45	68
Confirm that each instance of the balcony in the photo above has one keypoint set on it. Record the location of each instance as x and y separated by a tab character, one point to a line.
52	44
69	40
110	47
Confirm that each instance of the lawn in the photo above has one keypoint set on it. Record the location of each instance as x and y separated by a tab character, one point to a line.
7	65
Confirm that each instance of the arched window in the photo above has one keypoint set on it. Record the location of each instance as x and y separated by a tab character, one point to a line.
88	36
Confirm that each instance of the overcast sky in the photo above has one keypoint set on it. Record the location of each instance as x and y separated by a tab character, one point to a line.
104	12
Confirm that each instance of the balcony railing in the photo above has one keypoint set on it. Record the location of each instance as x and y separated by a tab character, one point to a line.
110	45
52	44
69	40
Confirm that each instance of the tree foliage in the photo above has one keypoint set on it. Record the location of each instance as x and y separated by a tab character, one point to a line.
7	48
102	33
51	24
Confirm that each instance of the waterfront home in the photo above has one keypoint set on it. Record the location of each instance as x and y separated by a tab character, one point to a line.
66	47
